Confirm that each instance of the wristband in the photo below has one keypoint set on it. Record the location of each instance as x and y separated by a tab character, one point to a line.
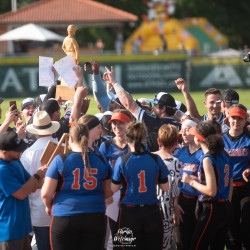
117	87
36	176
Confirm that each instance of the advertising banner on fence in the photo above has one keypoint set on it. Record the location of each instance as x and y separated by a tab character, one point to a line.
141	73
19	77
219	73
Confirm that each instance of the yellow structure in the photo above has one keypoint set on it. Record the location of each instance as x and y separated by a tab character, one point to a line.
177	37
207	28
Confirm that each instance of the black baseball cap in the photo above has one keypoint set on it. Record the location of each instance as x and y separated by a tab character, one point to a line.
164	99
229	96
10	141
50	106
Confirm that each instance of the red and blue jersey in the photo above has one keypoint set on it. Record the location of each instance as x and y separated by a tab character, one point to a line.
81	191
189	164
139	175
223	170
238	151
110	151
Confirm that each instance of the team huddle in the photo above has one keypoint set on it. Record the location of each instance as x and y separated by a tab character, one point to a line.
142	174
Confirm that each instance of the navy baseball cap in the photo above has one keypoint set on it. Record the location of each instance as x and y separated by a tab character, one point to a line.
10	141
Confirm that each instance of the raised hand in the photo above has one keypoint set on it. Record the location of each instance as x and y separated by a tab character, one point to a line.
95	67
111	74
181	84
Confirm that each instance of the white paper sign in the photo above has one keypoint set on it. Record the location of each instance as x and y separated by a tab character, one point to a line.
64	68
46	76
112	210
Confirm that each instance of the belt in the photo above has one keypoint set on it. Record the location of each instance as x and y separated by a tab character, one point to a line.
188	196
221	200
216	201
141	205
239	183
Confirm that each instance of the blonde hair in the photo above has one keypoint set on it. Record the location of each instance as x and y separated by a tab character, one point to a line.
168	135
80	134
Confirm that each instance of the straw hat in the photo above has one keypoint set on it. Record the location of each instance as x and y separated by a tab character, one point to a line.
42	124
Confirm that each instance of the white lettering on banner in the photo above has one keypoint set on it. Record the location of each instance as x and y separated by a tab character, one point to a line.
222	75
11	80
159	75
32	73
248	78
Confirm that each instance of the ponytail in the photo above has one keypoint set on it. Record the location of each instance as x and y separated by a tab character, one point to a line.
80	134
135	133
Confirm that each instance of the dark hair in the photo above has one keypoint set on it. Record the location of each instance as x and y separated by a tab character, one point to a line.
80	134
90	121
212	91
135	132
216	125
213	141
239	106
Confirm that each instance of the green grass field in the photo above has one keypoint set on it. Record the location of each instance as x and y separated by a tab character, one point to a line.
197	96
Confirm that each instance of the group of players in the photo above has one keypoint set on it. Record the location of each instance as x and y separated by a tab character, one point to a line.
182	182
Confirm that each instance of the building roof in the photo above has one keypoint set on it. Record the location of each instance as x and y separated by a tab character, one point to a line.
65	11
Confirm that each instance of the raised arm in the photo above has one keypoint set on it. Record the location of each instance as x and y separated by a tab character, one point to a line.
9	118
99	90
80	94
191	106
126	100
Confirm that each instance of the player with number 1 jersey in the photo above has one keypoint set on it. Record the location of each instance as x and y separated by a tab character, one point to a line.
138	172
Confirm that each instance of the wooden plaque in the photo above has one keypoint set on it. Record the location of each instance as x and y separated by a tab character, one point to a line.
49	150
66	93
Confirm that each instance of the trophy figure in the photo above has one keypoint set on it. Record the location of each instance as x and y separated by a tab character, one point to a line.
70	45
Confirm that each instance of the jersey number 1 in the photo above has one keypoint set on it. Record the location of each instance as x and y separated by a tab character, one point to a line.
142	187
91	181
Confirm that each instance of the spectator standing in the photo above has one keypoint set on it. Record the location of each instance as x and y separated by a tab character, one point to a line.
15	186
42	128
212	96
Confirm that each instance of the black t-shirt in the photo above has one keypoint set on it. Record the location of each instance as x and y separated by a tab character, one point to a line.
64	128
153	124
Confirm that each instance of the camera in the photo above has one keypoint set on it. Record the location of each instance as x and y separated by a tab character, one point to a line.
247	57
88	68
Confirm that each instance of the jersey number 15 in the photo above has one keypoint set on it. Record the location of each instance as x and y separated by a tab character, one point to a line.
90	181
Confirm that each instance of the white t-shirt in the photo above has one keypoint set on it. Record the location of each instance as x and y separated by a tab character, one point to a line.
31	162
